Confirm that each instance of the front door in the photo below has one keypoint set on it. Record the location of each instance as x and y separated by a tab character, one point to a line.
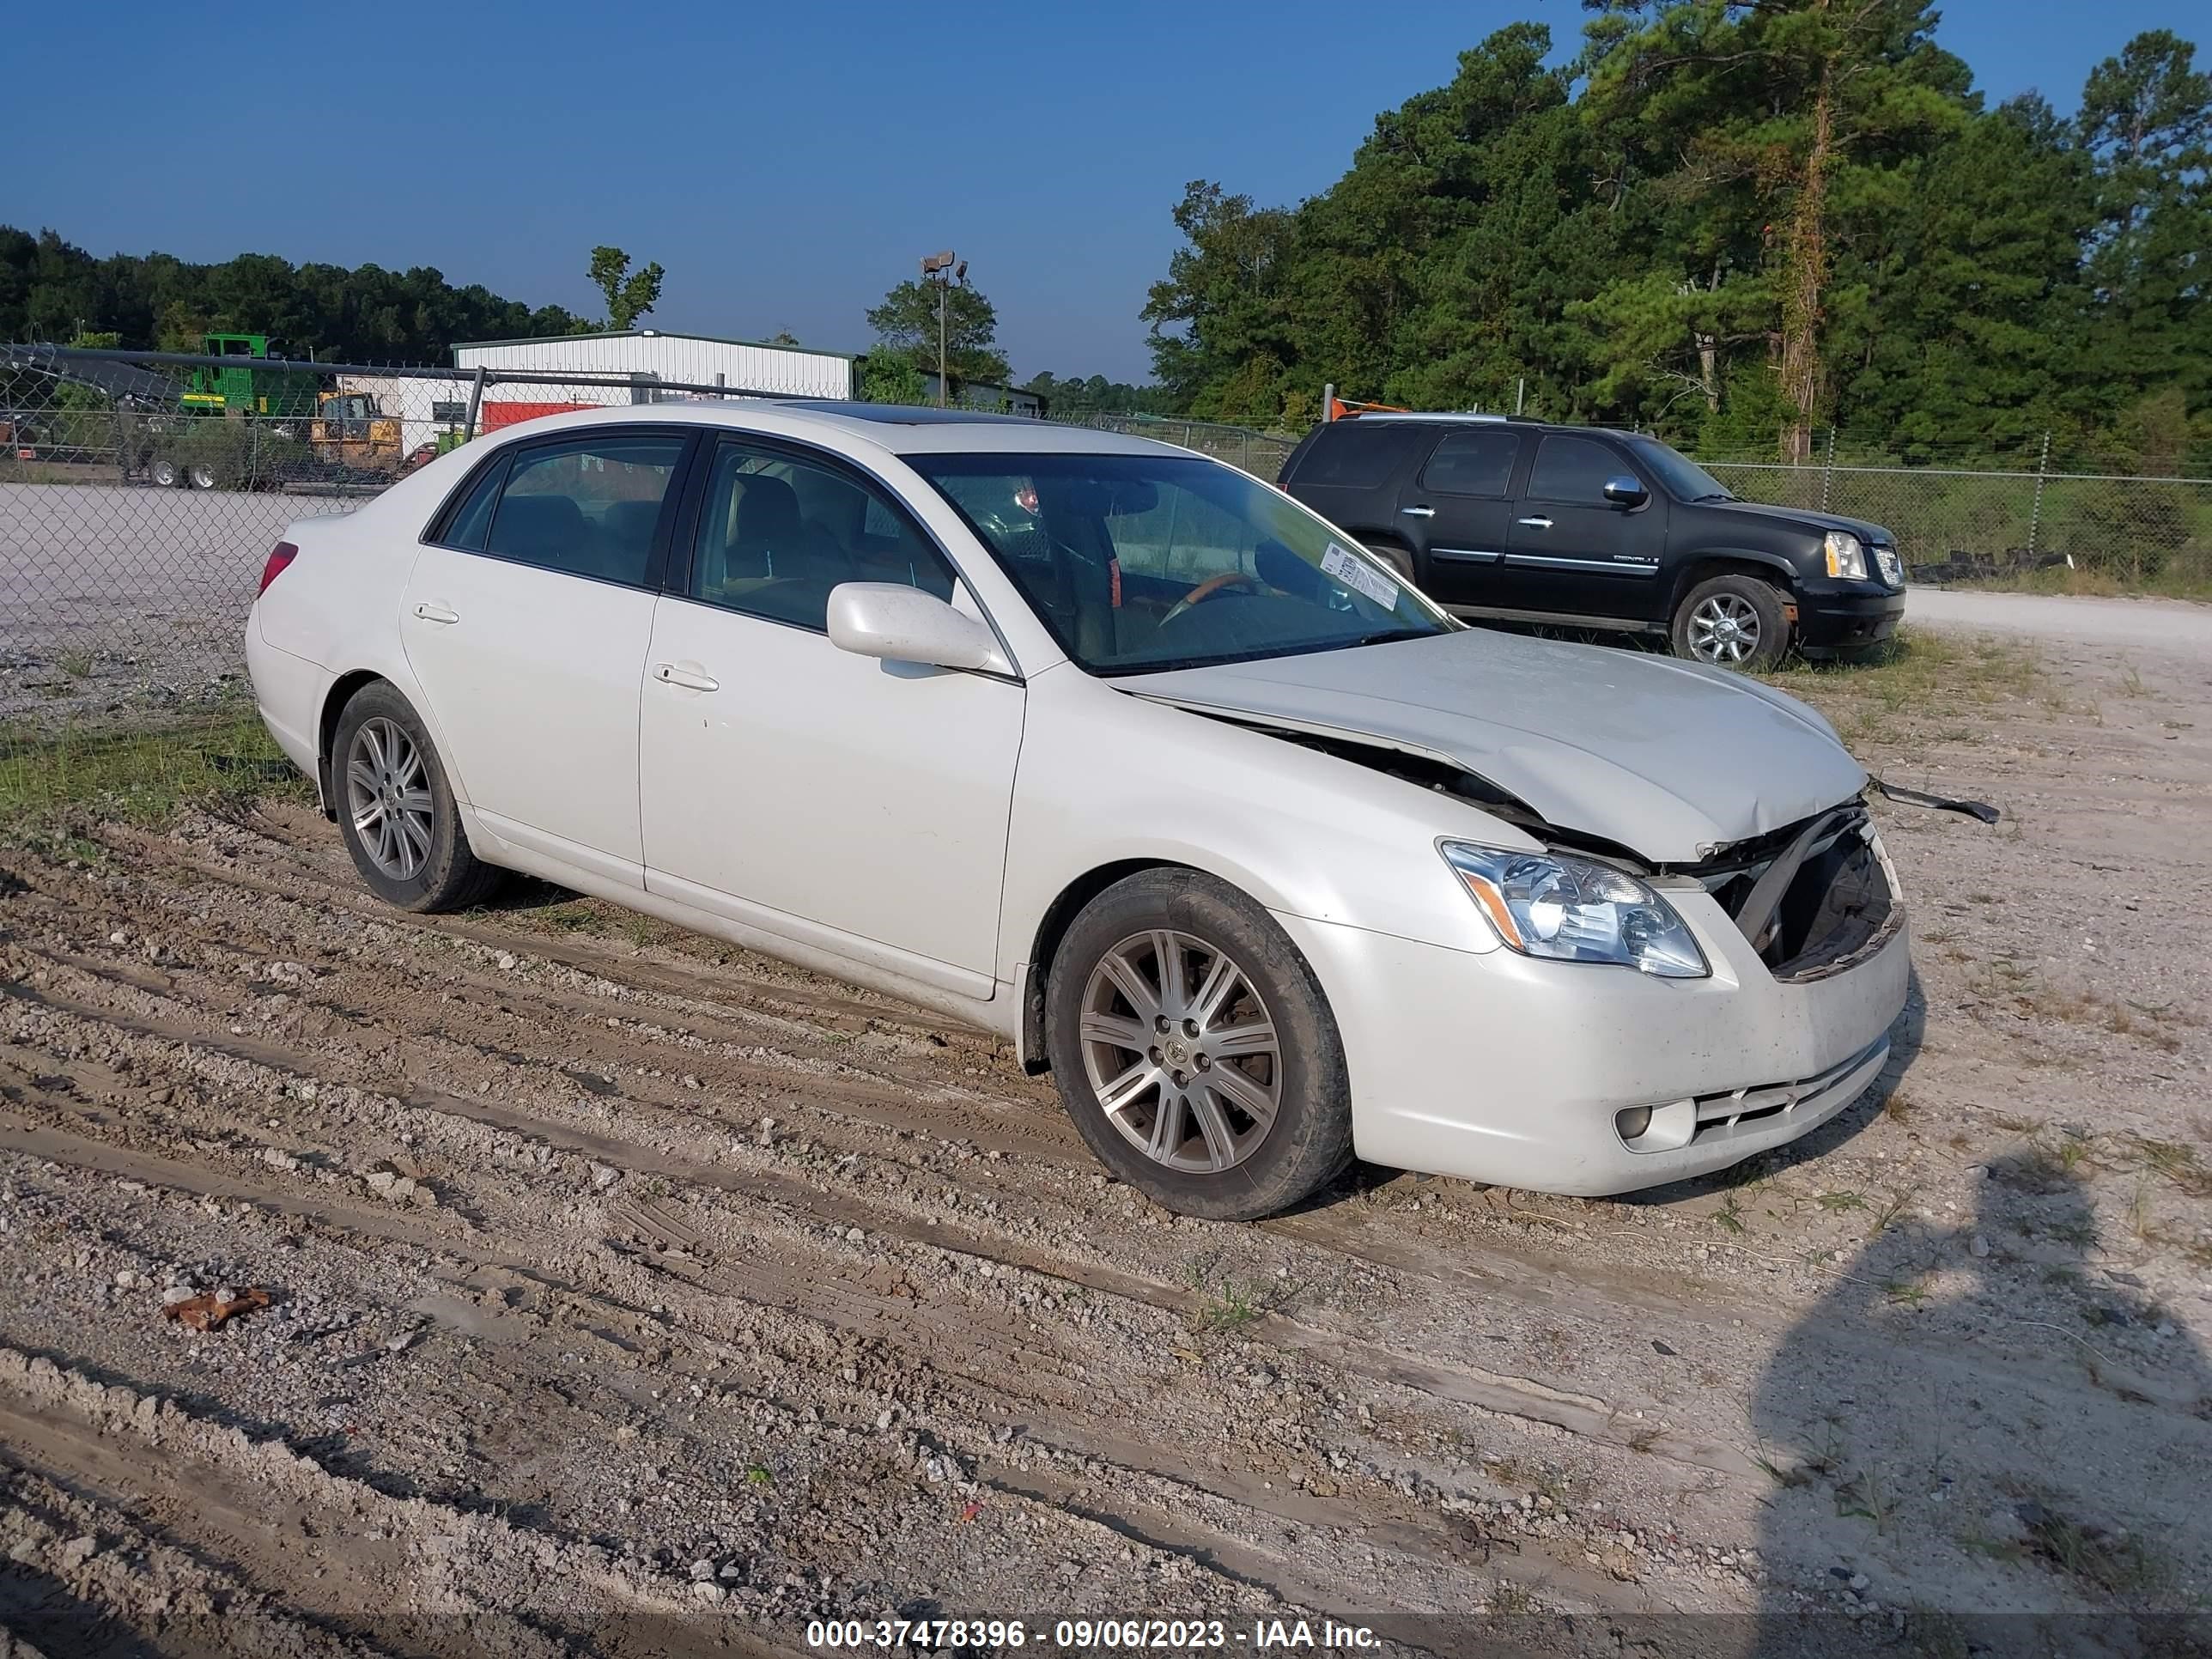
527	621
1580	554
851	805
1458	511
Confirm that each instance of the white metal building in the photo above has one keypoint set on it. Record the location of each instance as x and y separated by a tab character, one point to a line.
648	353
979	394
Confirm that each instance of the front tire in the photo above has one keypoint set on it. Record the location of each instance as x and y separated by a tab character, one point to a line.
396	808
1732	622
1194	1051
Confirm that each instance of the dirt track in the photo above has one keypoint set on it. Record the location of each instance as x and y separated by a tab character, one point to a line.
629	1293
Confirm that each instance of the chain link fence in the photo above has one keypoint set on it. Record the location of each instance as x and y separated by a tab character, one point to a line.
140	493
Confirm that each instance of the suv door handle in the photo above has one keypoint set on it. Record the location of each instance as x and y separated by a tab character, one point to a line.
431	610
669	673
1539	523
1418	512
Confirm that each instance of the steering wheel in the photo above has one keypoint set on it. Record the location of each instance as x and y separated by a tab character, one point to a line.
1206	589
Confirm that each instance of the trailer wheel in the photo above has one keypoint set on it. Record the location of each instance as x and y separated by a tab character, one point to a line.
164	473
201	476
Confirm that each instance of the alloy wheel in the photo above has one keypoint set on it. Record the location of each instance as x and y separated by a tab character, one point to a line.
388	797
1181	1052
1723	630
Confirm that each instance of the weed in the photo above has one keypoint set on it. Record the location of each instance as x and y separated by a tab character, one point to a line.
1796	1475
1867	1495
2112	1565
142	776
1730	1216
759	1475
1907	1292
1840	1201
2174	1162
1892	1211
76	664
1512	1598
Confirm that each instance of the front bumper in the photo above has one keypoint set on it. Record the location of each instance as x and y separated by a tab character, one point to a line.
1498	1068
1842	615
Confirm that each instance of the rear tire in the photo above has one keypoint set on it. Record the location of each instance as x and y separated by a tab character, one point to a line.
1238	1104
1732	622
396	809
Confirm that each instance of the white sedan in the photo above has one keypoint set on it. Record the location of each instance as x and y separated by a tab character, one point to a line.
1112	749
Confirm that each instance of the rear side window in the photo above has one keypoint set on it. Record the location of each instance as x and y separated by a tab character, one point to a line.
1474	463
588	506
1349	453
1573	470
465	526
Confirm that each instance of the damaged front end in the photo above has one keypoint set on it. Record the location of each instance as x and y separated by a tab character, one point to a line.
1813	898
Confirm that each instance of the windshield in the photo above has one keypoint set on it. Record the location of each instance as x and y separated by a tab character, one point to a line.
1684	478
1138	563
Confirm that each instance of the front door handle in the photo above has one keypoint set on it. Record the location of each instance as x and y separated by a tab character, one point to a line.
669	673
1418	512
1537	523
431	610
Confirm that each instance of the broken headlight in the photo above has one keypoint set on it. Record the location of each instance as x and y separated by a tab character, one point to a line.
1571	909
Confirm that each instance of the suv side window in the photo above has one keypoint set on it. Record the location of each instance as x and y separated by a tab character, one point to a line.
1472	463
1354	454
1573	470
776	533
588	506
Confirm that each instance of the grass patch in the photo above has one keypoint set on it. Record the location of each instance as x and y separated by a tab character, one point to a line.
48	782
2112	1565
2185	576
1918	671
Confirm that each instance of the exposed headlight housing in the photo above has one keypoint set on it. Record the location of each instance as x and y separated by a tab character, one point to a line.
1891	566
1846	555
1569	909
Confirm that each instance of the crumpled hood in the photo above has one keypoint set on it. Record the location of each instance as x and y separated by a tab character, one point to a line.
1670	759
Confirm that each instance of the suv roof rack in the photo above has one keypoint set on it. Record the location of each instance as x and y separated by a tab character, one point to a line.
1416	415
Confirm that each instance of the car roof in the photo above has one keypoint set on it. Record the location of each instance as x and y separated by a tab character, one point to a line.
896	428
1512	422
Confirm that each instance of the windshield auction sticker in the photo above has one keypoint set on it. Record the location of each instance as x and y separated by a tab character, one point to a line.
1355	572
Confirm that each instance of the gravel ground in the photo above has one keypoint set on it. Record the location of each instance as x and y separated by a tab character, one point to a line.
631	1295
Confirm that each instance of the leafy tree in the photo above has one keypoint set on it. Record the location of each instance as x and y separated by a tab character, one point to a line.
906	324
889	376
50	289
629	293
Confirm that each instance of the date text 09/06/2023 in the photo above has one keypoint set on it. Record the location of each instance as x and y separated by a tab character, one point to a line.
1085	1635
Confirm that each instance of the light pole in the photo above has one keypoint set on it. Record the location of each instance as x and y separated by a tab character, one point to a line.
944	270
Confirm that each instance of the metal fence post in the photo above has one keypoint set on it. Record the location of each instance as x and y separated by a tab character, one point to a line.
2035	512
476	403
1828	472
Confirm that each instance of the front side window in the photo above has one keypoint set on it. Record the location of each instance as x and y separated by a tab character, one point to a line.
1685	479
777	533
1138	563
1573	471
588	506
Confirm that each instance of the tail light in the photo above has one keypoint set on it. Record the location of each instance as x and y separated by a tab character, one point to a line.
279	556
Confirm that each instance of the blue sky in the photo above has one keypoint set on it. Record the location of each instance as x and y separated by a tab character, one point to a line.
785	162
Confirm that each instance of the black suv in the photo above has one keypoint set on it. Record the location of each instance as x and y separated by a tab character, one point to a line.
1494	517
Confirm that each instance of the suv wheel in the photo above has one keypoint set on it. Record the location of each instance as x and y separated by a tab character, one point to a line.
1194	1051
396	809
1732	622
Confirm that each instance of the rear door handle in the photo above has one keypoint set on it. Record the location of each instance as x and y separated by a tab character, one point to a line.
1418	512
1539	523
431	610
669	673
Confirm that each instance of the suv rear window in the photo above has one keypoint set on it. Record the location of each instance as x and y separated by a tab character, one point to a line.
1354	454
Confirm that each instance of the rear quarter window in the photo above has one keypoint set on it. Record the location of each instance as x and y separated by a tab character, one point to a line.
1348	454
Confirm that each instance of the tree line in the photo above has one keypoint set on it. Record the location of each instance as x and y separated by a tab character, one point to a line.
1736	222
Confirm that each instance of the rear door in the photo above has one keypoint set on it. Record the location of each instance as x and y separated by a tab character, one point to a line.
1574	551
1458	511
526	621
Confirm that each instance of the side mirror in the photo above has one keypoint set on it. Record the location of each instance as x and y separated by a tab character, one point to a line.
900	623
1625	491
